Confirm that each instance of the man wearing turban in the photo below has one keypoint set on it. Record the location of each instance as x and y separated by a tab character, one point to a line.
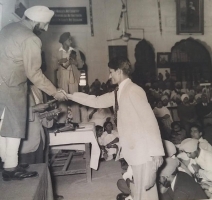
178	185
20	59
68	75
202	157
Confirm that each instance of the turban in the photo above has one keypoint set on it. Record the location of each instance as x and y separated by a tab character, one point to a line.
64	37
164	97
170	166
189	145
167	92
148	84
169	148
39	14
184	96
197	96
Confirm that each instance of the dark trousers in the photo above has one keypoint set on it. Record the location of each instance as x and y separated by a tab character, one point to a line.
33	157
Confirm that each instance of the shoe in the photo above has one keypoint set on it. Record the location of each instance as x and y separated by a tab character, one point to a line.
123	187
58	197
18	174
121	196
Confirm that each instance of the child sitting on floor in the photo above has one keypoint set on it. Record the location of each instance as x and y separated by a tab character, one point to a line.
108	141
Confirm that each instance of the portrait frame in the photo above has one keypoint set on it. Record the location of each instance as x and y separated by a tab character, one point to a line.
19	9
190	17
163	59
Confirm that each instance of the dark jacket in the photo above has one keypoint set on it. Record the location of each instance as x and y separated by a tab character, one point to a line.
185	188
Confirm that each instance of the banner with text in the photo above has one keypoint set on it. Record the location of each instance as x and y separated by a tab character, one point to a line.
69	16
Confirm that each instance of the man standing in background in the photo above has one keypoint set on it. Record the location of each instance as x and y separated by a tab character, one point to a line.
68	75
20	58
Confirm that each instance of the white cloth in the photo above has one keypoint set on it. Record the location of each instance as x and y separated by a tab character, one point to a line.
9	148
161	112
100	116
173	183
106	139
128	174
39	14
204	144
204	160
79	136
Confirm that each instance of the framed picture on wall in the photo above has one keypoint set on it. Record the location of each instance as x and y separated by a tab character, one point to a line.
190	16
163	59
19	9
114	51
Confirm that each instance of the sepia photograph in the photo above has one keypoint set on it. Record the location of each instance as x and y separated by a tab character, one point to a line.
104	100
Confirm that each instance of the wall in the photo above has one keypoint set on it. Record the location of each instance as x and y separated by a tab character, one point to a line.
142	14
8	15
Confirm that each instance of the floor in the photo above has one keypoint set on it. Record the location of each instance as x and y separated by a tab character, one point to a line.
102	187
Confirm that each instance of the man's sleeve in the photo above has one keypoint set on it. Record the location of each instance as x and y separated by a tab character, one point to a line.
104	101
31	49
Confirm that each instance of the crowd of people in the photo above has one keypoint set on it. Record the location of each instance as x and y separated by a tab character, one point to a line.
183	139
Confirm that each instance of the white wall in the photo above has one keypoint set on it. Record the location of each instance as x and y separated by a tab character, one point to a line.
142	14
8	15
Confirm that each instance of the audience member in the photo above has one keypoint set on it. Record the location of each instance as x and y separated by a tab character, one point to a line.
196	133
186	113
203	158
109	141
165	119
178	185
178	134
204	110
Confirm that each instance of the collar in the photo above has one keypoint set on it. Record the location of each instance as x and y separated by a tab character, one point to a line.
121	85
26	23
173	183
70	49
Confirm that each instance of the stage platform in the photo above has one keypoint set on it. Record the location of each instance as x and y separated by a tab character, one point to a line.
36	188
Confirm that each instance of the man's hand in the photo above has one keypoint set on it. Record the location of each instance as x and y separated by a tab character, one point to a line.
62	60
72	61
40	107
60	95
158	160
69	96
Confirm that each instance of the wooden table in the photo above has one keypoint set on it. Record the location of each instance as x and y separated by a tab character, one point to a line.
86	135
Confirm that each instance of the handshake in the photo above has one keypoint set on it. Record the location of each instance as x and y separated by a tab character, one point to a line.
61	95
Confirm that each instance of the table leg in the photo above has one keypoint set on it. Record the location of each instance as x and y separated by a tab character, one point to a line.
88	158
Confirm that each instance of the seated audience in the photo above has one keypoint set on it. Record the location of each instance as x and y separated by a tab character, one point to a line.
164	117
204	110
108	141
175	185
186	113
176	93
178	134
